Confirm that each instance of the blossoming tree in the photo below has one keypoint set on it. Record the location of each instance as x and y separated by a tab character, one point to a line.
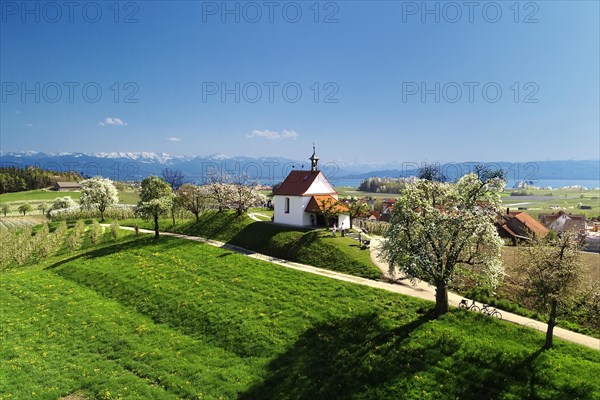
436	227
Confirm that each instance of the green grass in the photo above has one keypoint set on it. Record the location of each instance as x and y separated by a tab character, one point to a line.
313	247
36	195
40	195
550	201
146	319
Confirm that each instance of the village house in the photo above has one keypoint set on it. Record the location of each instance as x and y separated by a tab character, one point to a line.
67	186
518	226
561	222
304	196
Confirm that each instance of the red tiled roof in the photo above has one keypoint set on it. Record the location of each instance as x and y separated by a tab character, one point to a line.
376	214
297	183
531	223
320	202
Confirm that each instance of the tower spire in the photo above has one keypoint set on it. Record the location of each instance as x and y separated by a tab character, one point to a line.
314	160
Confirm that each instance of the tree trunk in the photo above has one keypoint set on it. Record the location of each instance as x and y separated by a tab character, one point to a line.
350	222
551	325
441	299
101	216
173	216
197	217
156	226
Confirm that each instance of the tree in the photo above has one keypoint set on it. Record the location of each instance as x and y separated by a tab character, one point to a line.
156	198
552	272
220	189
243	194
331	210
356	209
5	209
592	305
99	193
63	202
43	207
193	198
484	172
438	228
25	208
174	177
432	172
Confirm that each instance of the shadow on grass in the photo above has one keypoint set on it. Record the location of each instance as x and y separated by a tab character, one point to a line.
166	243
332	361
363	358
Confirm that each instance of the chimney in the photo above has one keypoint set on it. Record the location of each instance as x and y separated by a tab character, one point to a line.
507	210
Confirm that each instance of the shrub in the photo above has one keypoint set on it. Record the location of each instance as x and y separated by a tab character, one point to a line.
114	229
95	232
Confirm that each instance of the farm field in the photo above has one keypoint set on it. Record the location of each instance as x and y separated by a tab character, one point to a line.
550	201
176	319
20	222
36	197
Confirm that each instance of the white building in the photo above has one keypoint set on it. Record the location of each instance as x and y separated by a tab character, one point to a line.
302	196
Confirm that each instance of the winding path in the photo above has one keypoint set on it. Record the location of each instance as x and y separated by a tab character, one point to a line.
420	290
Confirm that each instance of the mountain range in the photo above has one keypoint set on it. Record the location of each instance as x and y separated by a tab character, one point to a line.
137	165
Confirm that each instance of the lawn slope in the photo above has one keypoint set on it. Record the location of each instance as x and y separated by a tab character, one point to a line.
313	247
178	319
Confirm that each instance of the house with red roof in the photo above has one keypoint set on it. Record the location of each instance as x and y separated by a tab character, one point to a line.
304	196
519	226
561	222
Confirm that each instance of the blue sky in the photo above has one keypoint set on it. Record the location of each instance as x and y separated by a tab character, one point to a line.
361	69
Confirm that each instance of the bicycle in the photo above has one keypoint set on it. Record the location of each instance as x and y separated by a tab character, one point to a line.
464	304
492	312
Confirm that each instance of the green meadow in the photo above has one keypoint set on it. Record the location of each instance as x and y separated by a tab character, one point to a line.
175	319
314	247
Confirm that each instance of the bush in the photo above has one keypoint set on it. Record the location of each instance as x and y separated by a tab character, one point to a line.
95	232
114	229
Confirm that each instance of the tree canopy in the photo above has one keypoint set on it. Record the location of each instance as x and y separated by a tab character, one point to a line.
552	272
156	197
98	193
438	228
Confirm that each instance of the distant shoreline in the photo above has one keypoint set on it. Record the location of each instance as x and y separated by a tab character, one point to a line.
588	184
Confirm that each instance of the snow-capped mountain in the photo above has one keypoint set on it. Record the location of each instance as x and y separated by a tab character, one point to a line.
138	165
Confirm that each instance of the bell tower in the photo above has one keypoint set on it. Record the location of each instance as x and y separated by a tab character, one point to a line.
314	161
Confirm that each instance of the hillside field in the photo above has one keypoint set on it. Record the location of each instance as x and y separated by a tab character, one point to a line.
168	319
314	247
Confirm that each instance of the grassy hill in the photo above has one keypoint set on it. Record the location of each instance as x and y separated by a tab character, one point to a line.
314	247
174	319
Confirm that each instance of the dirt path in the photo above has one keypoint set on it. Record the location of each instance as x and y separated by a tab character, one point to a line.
421	290
257	216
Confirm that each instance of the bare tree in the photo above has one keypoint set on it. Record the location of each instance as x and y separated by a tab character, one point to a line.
432	172
485	172
174	177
